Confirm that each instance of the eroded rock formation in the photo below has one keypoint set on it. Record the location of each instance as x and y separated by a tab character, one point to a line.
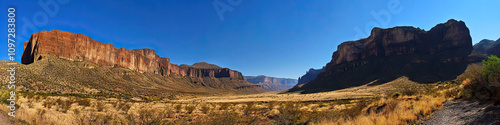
439	54
75	46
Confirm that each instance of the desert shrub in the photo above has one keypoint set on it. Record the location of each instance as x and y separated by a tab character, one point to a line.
271	104
356	109
190	108
451	93
149	116
224	106
290	113
249	108
409	91
65	105
100	105
178	107
222	118
124	106
342	101
4	95
93	118
477	81
205	108
48	103
83	101
491	69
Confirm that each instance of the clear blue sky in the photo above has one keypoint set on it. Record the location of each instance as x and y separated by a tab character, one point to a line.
280	38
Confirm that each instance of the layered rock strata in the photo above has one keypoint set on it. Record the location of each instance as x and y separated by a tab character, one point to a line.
75	46
442	53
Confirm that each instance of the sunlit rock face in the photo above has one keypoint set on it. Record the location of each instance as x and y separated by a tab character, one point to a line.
75	46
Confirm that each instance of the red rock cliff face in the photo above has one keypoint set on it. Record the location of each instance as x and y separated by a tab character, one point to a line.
75	46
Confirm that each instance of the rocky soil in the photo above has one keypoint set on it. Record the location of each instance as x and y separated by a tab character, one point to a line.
466	112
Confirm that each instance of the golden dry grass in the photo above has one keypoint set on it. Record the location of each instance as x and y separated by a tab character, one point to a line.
337	107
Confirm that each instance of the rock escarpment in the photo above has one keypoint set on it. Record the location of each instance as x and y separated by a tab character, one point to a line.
75	46
441	53
310	75
272	83
490	47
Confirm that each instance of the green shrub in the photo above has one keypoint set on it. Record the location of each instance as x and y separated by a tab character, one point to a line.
491	69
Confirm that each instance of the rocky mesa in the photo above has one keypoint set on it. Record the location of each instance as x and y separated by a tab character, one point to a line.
441	53
76	46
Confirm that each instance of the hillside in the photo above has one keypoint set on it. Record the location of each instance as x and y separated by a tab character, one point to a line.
490	47
60	76
59	62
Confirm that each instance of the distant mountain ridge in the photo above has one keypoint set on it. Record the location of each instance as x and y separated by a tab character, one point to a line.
442	53
486	46
272	83
310	75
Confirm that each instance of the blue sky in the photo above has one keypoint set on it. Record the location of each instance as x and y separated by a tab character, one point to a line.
280	38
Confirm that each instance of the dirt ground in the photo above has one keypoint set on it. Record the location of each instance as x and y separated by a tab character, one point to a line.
466	112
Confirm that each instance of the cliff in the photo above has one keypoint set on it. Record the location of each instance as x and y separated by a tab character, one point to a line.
442	53
75	46
310	75
490	47
272	83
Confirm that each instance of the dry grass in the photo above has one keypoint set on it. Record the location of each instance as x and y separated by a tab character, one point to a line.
392	111
407	106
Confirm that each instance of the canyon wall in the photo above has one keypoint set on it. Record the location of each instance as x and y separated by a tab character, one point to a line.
442	53
78	47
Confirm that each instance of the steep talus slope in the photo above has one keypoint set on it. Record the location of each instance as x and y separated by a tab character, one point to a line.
272	83
441	53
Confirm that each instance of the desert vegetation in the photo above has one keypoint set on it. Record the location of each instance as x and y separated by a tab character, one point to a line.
481	81
399	107
396	102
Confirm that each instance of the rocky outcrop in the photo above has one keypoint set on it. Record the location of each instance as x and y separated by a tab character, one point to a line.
272	83
441	53
450	36
78	47
490	47
310	75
